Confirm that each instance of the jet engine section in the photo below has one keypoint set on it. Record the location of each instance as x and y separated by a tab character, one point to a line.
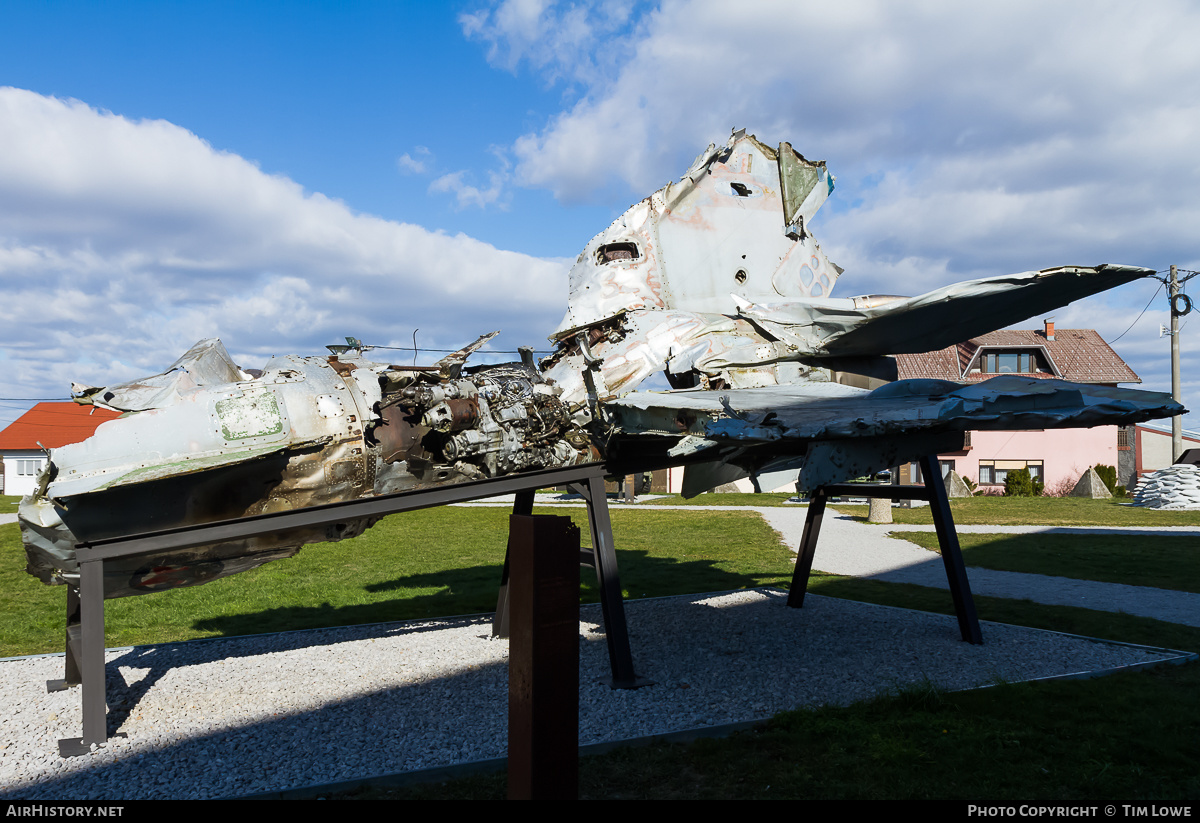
494	421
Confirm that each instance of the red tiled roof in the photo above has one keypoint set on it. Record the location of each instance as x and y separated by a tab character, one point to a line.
54	425
1080	355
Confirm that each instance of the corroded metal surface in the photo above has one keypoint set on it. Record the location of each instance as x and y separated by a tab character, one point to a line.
715	281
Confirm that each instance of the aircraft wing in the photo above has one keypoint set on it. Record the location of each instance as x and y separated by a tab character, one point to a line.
834	433
934	320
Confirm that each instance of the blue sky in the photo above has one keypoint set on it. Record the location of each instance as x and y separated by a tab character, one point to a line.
282	174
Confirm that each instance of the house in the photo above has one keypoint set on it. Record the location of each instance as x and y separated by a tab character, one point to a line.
47	424
1056	456
1146	448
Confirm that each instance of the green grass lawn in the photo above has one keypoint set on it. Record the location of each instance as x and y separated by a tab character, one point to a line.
722	499
1037	511
996	511
8	503
436	562
1164	563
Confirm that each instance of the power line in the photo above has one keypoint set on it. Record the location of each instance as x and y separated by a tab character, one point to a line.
1139	317
450	351
34	399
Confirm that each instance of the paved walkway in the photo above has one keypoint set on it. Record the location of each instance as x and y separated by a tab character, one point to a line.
850	547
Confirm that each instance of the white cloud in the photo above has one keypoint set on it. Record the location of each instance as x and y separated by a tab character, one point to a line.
123	242
969	139
415	165
577	41
1005	135
466	195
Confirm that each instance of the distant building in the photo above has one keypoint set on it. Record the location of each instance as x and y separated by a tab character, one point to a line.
46	424
1056	456
1146	448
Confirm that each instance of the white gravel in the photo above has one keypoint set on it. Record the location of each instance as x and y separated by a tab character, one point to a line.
231	717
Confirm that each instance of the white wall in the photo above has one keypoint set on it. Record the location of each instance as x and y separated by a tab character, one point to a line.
21	484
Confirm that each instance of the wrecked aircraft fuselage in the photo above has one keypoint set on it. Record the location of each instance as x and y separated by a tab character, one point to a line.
306	431
715	281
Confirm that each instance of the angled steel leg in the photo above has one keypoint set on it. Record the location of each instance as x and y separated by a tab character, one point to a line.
522	504
807	548
956	569
615	630
71	675
90	657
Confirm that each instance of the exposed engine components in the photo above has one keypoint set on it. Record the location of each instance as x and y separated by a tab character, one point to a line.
495	420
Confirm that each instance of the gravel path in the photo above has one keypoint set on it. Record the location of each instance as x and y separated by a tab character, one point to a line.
230	717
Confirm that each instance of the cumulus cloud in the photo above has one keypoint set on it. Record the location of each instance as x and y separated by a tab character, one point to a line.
577	41
969	139
977	137
123	242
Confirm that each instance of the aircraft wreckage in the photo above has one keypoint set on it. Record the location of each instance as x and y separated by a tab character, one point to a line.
715	280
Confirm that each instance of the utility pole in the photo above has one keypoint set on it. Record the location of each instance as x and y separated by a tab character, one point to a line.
1176	389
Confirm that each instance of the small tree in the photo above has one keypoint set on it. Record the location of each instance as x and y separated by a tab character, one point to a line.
1109	477
1019	483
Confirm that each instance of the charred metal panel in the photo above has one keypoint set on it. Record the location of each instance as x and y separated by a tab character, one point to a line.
715	281
728	227
307	431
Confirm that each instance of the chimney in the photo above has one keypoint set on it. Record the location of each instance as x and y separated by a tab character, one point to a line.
1049	328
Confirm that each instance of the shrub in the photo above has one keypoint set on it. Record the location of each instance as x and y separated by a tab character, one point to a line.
1019	483
1109	476
1062	487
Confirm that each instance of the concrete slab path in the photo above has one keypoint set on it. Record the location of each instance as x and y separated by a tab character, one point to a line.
847	546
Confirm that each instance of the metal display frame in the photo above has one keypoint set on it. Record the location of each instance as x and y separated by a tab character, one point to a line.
84	659
84	664
934	491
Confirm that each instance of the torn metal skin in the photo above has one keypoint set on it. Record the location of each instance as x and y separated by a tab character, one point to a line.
715	280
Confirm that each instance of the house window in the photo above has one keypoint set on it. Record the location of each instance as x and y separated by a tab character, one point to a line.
29	468
995	472
914	470
1009	362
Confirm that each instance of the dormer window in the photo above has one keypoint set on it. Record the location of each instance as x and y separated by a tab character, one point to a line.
1010	362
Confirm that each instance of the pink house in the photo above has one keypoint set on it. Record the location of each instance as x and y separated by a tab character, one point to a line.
1057	456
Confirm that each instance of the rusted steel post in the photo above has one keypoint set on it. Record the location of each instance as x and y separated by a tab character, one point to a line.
543	658
522	504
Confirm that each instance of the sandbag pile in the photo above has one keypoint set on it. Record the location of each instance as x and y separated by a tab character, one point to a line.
1175	487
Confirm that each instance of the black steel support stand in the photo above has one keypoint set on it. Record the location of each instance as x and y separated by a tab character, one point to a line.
603	559
934	491
952	559
543	659
84	664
